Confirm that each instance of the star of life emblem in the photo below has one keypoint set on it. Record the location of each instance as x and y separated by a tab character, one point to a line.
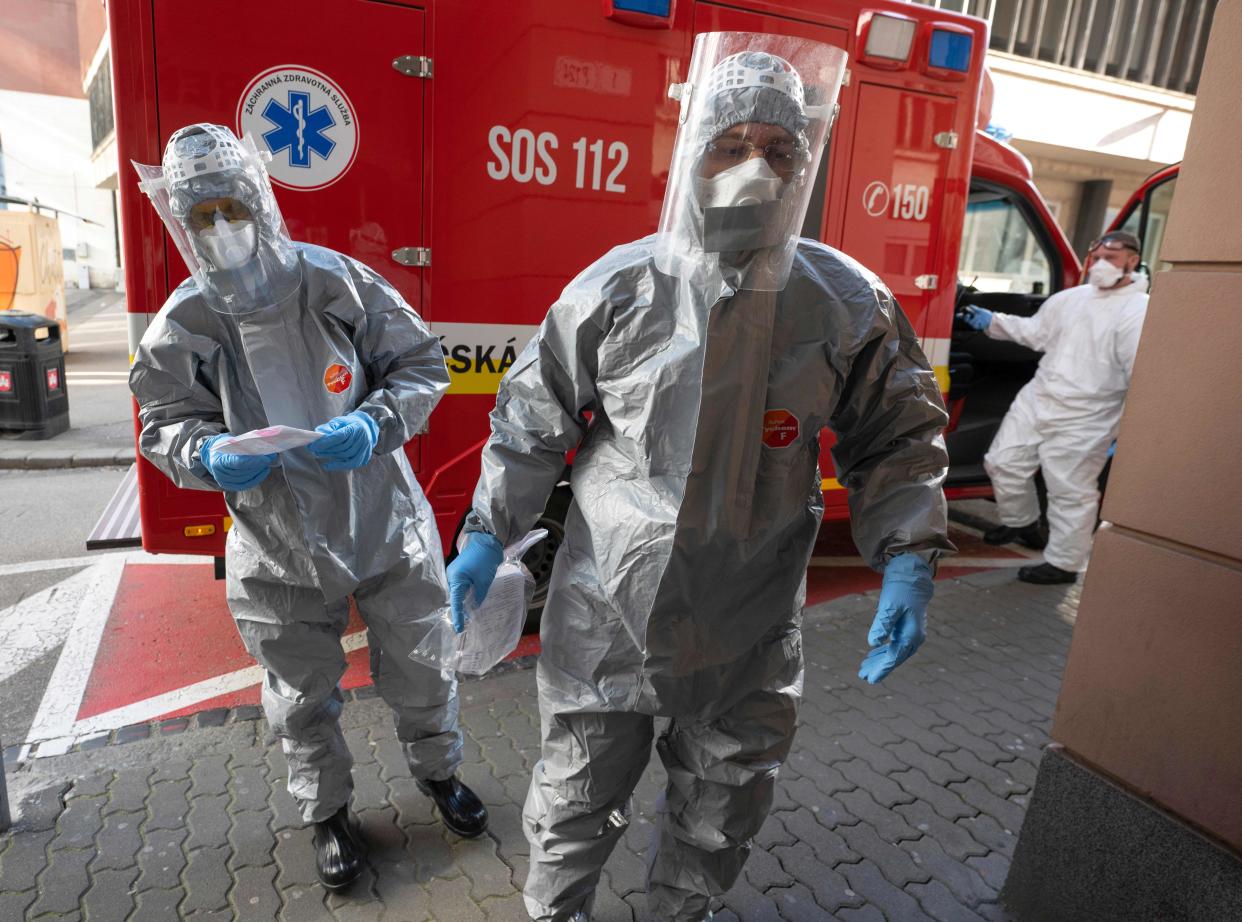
305	121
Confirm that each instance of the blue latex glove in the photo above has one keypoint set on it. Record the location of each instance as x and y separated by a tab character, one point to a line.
235	472
900	625
347	442
977	318
474	567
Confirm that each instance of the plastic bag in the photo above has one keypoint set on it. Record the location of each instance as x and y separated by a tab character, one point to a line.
494	628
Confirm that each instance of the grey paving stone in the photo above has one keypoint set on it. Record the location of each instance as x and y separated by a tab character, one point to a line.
390	756
63	881
869	881
207	881
863	914
831	890
110	897
13	903
370	792
937	768
168	807
295	858
449	901
24	858
157	905
386	841
209	775
79	823
171	770
888	824
762	871
885	790
431	854
925	738
773	833
996	778
988	832
414	808
1007	813
129	790
962	880
830	847
251	840
955	839
41	809
942	800
895	864
508	909
93	785
249	787
304	904
208	821
797	904
993	868
254	897
747	904
118	842
985	749
161	860
939	903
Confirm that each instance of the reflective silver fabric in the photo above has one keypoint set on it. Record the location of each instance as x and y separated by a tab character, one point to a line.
679	587
307	538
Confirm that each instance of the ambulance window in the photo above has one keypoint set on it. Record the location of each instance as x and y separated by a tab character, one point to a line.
1158	202
813	223
1001	251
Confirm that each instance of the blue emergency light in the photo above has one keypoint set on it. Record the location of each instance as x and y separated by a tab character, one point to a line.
949	51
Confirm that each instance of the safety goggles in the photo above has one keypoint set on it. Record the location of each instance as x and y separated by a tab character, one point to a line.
1110	245
782	156
203	214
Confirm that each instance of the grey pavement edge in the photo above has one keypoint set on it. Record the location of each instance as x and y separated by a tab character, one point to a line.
899	802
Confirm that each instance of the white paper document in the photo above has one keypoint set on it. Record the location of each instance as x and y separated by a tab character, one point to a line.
267	441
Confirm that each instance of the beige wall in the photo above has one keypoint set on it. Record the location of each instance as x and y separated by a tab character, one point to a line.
39	47
1153	688
92	24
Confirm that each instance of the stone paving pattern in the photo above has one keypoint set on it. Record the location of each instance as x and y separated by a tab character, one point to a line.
900	802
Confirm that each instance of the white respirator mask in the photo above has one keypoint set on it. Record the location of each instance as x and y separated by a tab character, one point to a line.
229	245
1104	274
749	183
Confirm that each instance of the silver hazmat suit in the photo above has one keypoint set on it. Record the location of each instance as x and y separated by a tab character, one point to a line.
300	336
696	404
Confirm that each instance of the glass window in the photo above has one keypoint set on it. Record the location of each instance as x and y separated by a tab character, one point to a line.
1158	201
1000	251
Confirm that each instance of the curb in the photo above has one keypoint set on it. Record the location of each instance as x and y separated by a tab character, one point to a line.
42	460
16	756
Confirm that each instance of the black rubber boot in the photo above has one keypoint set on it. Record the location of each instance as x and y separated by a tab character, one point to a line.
1034	536
460	808
338	851
1045	574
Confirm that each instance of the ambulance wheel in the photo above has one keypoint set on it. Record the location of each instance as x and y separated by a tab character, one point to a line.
539	559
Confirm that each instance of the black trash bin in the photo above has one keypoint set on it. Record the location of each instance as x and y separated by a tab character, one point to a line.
33	397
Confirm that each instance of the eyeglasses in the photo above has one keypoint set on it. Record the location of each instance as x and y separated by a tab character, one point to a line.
1110	245
782	156
203	214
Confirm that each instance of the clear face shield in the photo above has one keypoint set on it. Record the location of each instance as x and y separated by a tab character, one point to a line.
755	116
213	194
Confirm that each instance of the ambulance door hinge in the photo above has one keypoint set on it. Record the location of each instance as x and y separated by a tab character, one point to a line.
412	256
413	65
927	282
946	139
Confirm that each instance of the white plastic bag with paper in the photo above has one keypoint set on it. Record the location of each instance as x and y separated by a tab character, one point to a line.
494	628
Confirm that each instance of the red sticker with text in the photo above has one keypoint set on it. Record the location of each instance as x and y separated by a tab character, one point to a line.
53	379
780	428
337	378
6	382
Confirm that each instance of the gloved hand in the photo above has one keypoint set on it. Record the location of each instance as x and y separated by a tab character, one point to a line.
900	624
347	442
235	472
977	318
474	567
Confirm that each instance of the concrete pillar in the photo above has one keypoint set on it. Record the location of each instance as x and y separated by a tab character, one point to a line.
1137	809
1092	212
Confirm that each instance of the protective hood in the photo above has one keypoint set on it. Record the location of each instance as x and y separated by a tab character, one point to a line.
755	115
213	193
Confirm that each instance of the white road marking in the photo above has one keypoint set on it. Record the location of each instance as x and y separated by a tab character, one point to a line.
63	696
136	557
181	698
40	623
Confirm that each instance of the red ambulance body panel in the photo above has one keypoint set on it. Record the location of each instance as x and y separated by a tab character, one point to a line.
480	154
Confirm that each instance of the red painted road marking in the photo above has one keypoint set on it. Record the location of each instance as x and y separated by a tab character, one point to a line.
169	629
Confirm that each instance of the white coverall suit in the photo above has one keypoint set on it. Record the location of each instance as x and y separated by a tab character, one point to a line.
1066	417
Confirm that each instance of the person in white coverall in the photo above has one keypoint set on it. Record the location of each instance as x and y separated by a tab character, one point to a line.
1066	418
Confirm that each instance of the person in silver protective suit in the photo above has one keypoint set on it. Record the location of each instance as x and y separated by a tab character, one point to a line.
270	332
694	370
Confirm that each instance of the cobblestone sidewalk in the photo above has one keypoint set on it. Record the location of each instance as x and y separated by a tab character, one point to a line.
900	802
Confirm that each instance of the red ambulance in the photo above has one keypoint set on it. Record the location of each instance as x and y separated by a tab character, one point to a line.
479	153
